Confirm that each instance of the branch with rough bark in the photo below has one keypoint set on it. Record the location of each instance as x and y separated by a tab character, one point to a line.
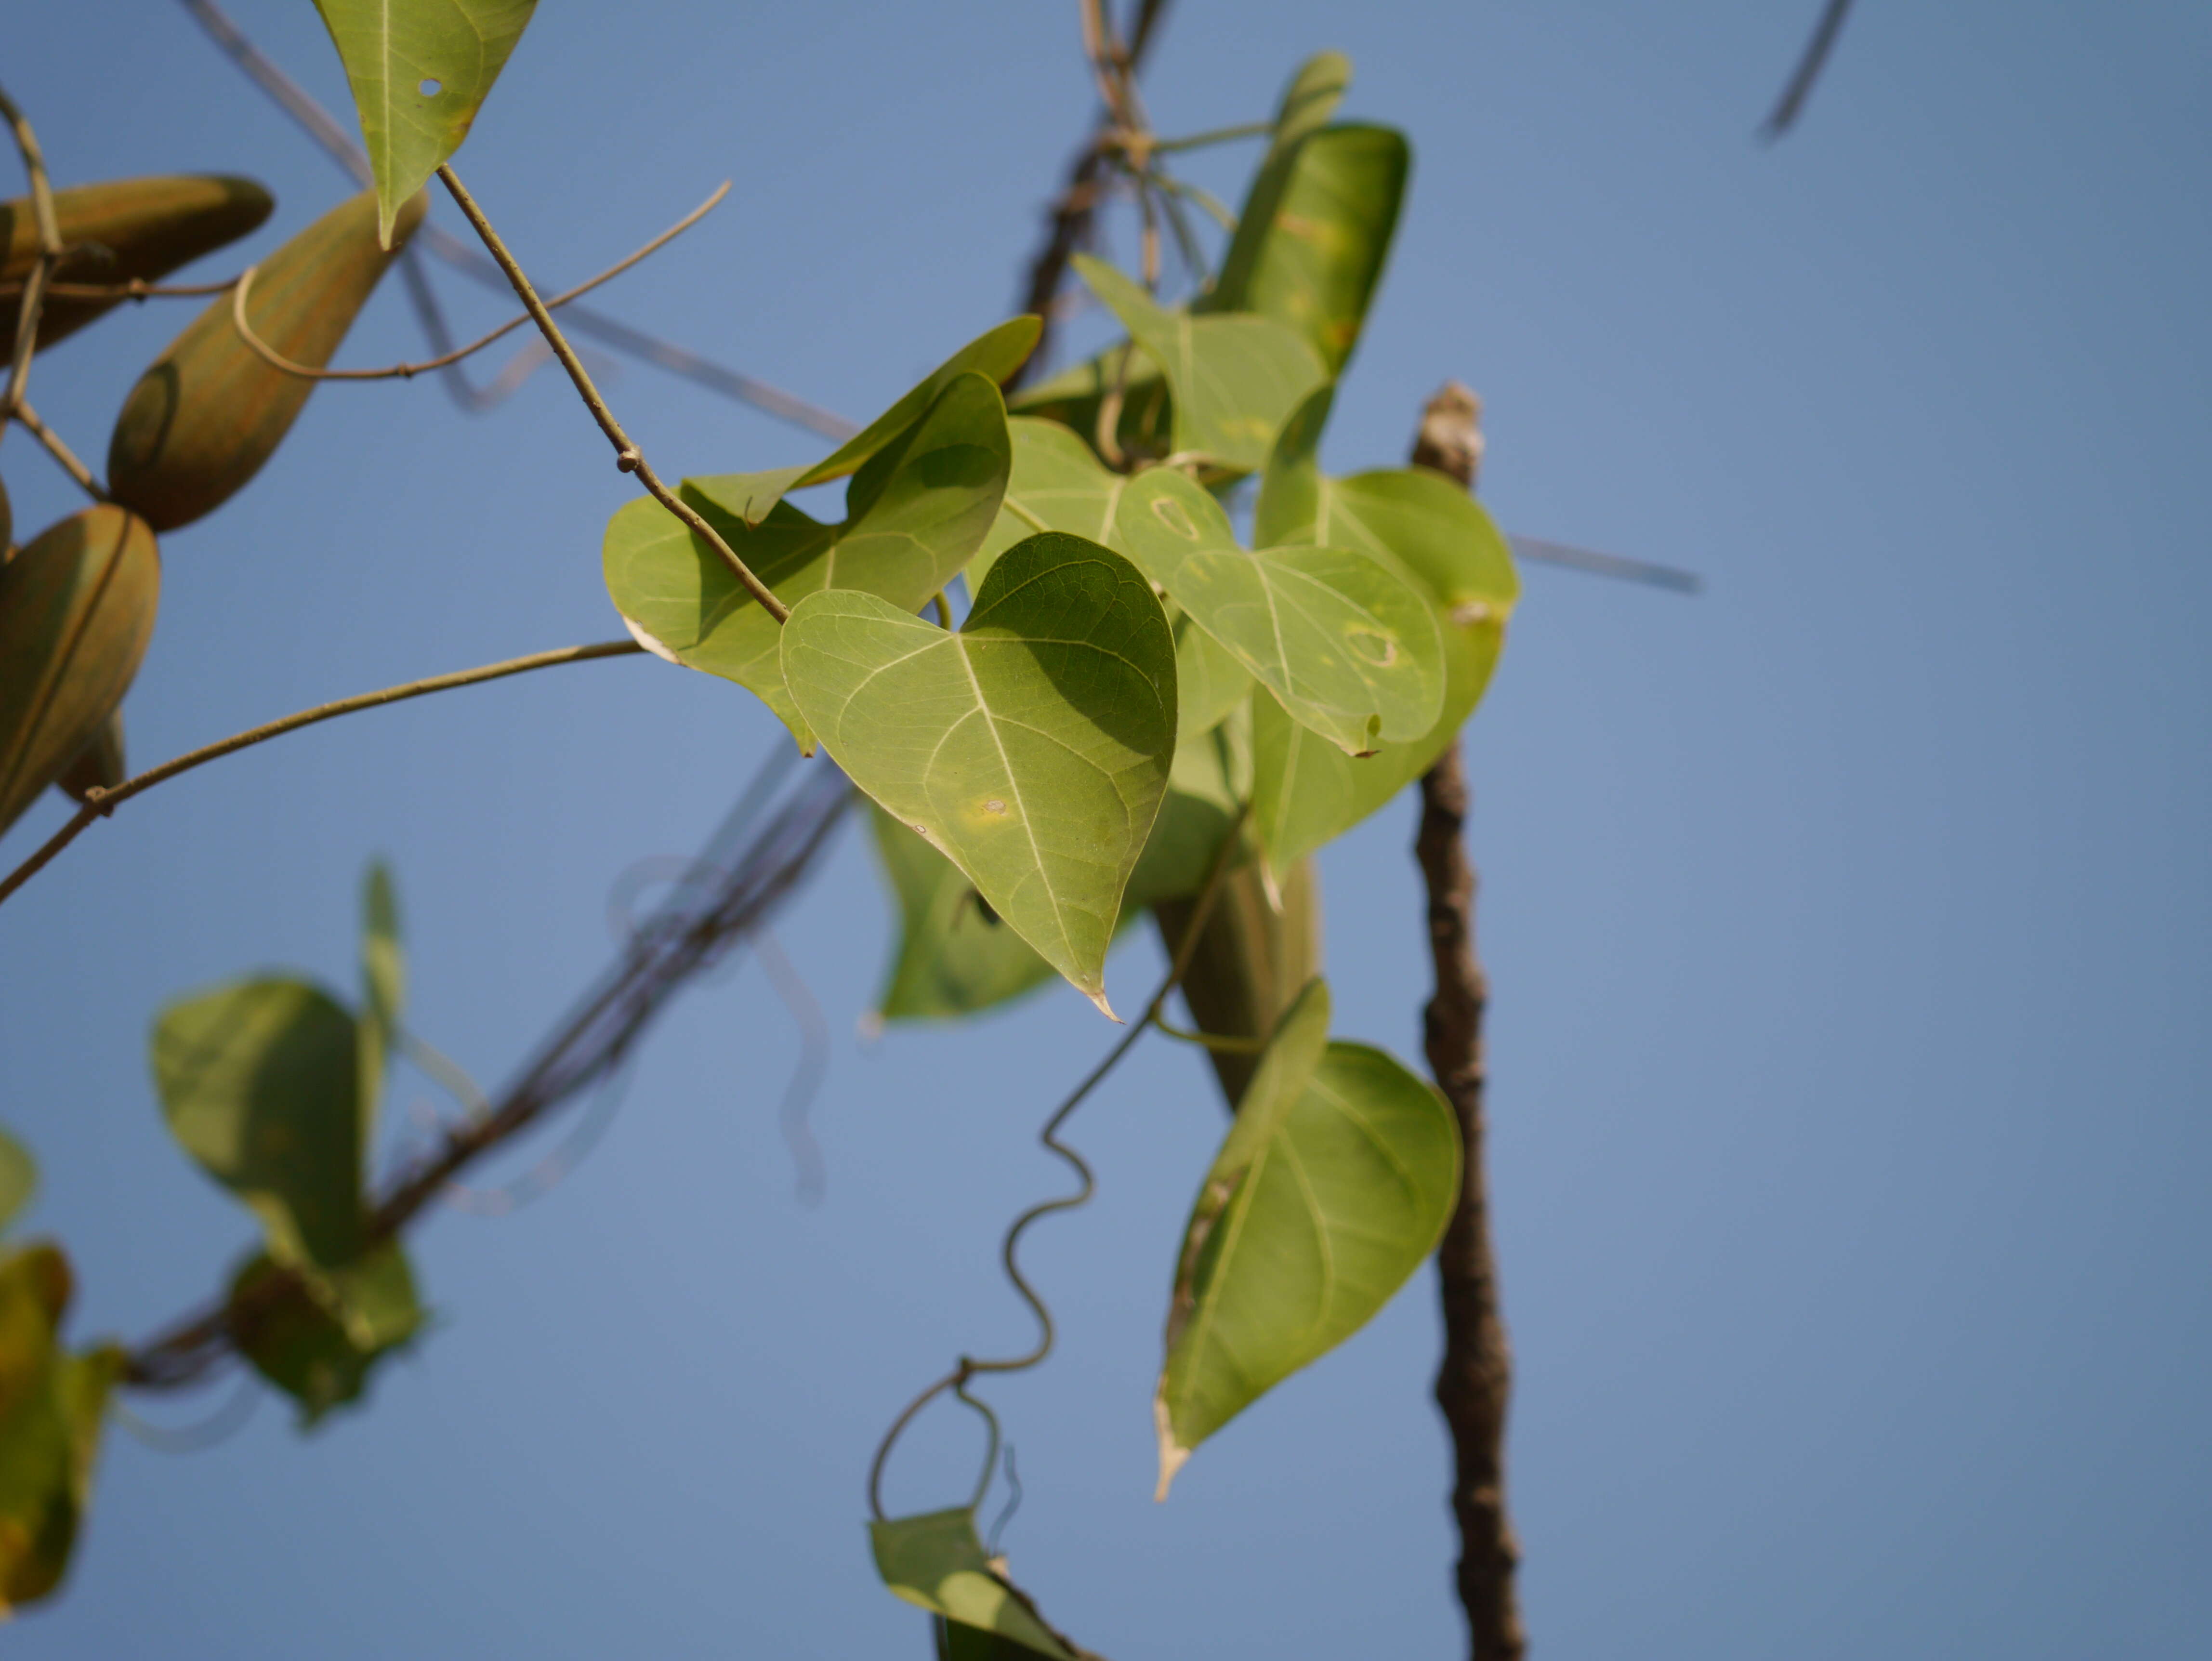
1476	1377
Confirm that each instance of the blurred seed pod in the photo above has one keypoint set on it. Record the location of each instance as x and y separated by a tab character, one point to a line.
126	228
98	765
203	420
76	609
1250	961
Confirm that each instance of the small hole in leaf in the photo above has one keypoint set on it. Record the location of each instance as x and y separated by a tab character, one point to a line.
1169	513
429	88
1378	649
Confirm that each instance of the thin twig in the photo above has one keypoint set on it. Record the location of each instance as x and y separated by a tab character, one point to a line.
1069	221
1475	1378
1224	1042
99	803
48	222
969	1367
1670	577
136	289
52	441
1785	114
1217	135
806	1009
338	144
276	359
628	456
692	932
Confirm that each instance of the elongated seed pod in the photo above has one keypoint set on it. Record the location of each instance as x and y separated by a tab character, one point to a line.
99	766
126	228
210	411
76	609
1250	960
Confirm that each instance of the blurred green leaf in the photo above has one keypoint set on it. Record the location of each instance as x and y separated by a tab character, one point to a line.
260	1081
420	71
915	512
955	957
1333	1186
52	1407
1032	747
384	986
1305	792
1211	776
994	355
383	962
1234	377
19	1178
937	1562
316	1335
1210	681
1313	92
1346	642
1314	236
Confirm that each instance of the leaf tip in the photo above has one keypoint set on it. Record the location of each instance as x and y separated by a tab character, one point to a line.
1106	1009
1173	1454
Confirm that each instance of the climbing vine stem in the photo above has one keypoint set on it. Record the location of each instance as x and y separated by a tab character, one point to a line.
969	1367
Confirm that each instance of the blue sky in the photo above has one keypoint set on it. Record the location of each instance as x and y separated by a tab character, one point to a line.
1847	924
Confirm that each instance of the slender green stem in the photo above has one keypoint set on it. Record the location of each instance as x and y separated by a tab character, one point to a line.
944	611
1213	205
276	359
1216	136
1223	1042
969	1367
628	456
99	803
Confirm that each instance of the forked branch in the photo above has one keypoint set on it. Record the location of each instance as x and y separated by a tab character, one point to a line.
628	456
276	359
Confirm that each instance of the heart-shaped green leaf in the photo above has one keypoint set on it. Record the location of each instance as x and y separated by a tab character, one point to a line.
1305	792
1031	748
76	609
1234	377
936	1562
19	1178
1055	483
1333	1186
420	71
52	1407
955	956
316	1335
1058	484
915	513
1346	642
260	1081
994	355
